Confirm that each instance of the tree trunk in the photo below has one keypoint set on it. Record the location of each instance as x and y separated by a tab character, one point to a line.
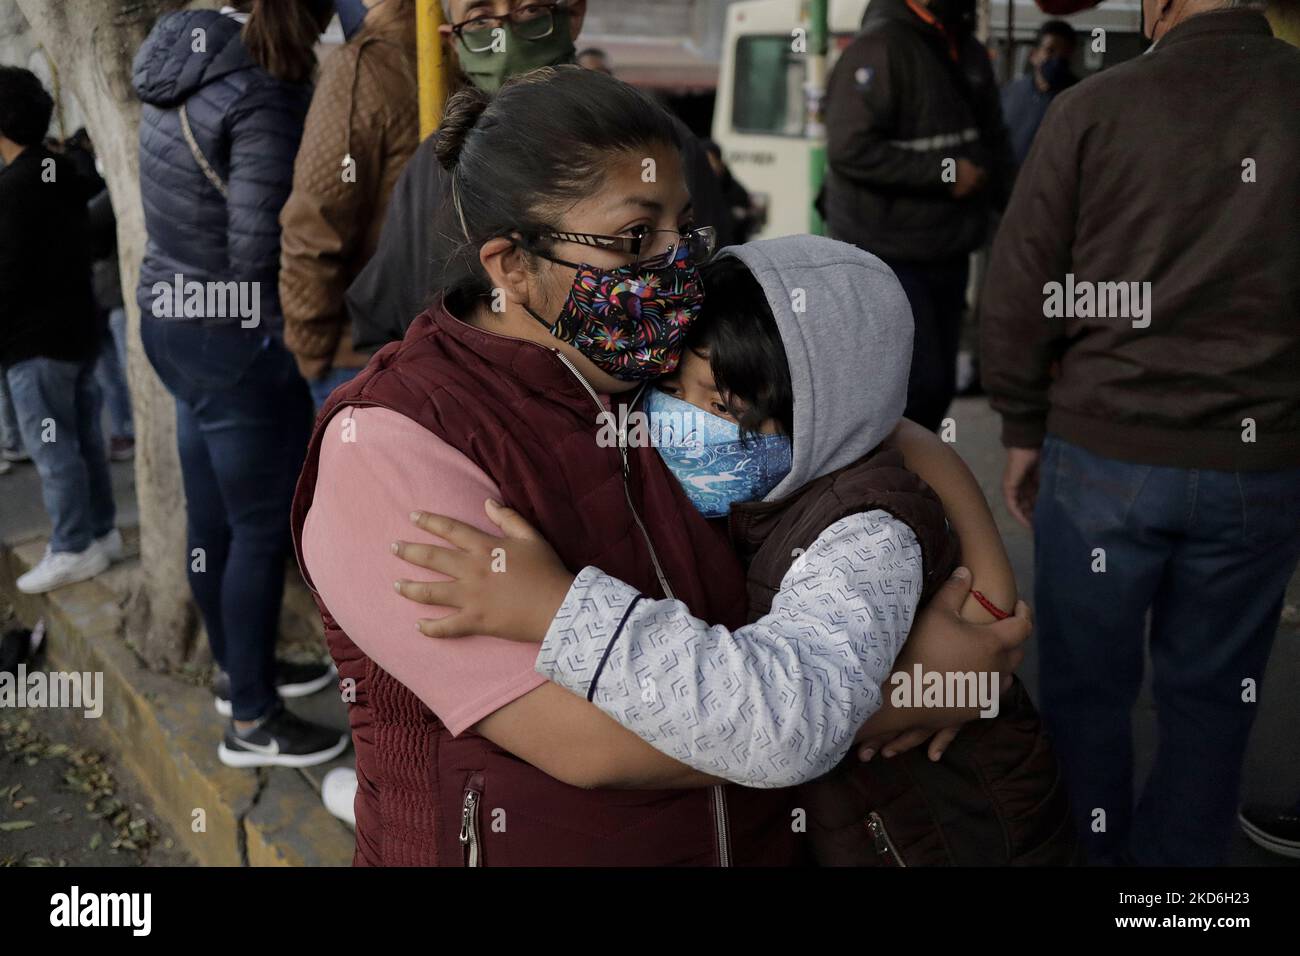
92	46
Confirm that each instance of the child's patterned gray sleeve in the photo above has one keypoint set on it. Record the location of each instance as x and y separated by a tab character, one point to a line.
583	630
772	704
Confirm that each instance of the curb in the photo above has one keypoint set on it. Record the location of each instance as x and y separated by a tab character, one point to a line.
164	733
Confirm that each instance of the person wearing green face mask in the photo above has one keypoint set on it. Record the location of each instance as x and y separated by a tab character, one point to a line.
492	41
493	46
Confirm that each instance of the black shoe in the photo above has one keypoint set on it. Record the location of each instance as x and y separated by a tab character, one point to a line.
1276	829
291	680
281	739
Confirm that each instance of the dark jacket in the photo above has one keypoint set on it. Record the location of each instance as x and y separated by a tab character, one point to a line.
103	242
1178	169
47	309
996	798
516	411
897	106
247	125
1023	107
405	275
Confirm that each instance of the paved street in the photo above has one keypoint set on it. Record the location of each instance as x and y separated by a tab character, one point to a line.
65	802
1272	764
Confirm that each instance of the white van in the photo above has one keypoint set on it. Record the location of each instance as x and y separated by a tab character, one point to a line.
761	106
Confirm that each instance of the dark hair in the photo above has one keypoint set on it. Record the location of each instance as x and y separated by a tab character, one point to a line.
25	107
519	158
1058	28
738	332
281	35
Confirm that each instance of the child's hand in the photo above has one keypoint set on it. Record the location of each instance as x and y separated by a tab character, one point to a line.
890	746
507	587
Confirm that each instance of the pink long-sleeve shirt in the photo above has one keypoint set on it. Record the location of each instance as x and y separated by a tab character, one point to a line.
376	467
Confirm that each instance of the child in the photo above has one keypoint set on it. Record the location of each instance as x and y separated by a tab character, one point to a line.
799	366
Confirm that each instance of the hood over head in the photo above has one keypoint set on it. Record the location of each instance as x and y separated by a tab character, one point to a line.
847	331
184	51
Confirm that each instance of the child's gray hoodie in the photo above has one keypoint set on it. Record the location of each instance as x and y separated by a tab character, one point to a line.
776	702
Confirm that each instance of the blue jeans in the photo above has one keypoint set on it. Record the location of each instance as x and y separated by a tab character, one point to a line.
936	291
322	387
111	372
1208	555
243	418
58	406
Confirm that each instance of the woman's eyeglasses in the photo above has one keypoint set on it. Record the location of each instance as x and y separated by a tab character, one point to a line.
652	247
532	21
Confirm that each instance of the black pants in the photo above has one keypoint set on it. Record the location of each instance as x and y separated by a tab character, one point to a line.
937	294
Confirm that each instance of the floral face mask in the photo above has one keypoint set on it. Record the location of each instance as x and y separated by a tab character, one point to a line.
631	321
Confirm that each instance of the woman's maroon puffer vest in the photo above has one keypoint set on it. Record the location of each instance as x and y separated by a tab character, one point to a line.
428	798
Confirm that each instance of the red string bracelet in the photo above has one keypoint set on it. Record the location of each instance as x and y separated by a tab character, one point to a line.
989	606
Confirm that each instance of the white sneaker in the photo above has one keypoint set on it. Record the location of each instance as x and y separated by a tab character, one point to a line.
15	454
338	791
111	545
5	467
58	568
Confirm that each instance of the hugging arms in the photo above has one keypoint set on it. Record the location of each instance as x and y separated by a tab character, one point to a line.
786	695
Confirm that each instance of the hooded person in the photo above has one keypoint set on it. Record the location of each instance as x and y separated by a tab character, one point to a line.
419	237
841	542
224	98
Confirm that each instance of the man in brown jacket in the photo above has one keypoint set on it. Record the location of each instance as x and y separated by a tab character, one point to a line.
362	128
1141	341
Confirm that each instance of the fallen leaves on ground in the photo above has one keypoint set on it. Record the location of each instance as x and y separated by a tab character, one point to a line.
85	774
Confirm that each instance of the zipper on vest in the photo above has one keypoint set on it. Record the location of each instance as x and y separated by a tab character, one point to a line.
627	473
880	837
718	798
471	847
721	825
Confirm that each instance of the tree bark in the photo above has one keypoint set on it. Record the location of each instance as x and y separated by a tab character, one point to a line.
92	46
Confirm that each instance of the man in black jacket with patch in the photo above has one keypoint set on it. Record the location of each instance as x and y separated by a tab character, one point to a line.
49	337
919	158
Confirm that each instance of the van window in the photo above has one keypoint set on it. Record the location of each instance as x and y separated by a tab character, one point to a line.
769	95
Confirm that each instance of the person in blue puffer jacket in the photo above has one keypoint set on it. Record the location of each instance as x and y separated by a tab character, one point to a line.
225	95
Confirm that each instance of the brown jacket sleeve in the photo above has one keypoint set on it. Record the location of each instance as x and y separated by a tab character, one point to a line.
1018	341
328	213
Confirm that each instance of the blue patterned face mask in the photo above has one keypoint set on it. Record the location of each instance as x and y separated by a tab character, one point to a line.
707	456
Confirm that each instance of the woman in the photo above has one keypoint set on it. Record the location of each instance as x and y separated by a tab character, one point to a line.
225	96
578	283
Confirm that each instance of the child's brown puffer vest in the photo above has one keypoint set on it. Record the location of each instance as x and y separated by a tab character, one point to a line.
996	797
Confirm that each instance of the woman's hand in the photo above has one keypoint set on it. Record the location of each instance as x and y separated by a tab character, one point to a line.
941	641
508	587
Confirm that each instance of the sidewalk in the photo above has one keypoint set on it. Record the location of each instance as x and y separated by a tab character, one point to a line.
164	731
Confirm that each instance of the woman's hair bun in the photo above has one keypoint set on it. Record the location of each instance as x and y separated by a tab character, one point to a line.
459	119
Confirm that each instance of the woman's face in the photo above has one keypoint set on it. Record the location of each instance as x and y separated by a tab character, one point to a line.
625	204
